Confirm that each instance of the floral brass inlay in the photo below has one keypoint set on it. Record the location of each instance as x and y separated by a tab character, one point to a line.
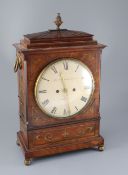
82	131
65	134
48	137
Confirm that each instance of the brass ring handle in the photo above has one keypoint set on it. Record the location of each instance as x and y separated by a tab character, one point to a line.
18	64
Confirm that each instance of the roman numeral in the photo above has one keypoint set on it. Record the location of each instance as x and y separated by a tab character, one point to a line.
45	102
76	108
45	79
43	91
54	110
65	64
77	67
54	69
84	99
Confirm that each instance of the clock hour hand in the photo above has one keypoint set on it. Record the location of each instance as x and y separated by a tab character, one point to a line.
65	91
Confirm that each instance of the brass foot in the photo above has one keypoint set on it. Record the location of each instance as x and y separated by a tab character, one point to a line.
27	162
101	148
17	143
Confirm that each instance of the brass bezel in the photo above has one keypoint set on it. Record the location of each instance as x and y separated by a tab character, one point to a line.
44	69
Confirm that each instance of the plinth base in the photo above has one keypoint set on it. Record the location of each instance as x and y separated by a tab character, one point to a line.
29	154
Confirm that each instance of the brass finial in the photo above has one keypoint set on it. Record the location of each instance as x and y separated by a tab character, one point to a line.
58	21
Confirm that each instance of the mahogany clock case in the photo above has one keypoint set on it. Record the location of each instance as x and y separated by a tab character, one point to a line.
41	135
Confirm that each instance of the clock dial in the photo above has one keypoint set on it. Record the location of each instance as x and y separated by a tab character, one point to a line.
64	88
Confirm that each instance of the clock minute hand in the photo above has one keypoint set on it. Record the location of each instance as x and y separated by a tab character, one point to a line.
62	80
65	91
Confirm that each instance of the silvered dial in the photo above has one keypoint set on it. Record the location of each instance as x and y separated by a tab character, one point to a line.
64	88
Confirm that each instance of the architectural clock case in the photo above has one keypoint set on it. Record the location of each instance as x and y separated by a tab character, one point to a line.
59	92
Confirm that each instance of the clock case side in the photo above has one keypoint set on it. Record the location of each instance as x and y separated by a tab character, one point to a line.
22	97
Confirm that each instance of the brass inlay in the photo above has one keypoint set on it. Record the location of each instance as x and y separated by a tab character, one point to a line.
90	128
48	137
65	134
38	137
83	131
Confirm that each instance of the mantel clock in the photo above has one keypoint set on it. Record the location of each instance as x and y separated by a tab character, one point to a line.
59	92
